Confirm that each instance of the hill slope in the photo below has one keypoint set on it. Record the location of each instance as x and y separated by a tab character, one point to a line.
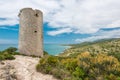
110	46
98	60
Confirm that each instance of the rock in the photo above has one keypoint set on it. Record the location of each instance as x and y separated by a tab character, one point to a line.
7	72
2	63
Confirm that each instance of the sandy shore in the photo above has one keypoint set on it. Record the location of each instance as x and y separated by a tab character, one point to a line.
22	68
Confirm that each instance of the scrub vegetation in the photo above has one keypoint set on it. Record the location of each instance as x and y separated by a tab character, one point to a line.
8	54
98	60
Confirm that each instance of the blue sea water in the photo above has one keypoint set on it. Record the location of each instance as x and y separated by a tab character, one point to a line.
53	49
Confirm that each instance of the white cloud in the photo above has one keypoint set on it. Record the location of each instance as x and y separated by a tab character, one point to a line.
60	31
9	22
80	16
101	35
9	28
8	41
87	16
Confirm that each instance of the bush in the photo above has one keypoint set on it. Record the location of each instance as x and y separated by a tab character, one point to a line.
45	53
52	65
79	73
98	65
85	66
8	54
52	60
47	63
2	57
69	64
9	57
10	50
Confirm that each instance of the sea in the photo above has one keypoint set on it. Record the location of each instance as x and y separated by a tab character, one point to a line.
52	49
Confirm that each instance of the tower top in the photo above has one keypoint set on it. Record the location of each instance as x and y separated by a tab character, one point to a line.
36	11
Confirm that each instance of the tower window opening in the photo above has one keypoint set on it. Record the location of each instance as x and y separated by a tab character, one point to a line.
36	15
35	31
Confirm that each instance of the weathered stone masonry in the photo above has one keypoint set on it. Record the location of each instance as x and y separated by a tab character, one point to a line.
30	32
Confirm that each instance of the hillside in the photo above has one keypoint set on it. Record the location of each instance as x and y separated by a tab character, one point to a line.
99	60
110	46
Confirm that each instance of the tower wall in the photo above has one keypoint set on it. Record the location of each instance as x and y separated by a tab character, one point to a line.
30	32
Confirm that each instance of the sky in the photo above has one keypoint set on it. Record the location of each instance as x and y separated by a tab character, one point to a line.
65	21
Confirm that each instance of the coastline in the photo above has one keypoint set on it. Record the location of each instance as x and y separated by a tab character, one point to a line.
69	47
52	49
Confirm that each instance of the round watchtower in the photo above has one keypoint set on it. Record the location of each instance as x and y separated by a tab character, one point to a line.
30	32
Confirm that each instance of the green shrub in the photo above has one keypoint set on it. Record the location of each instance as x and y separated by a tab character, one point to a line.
45	53
4	56
10	50
118	78
69	64
9	57
47	64
79	73
112	77
8	54
50	65
15	53
52	60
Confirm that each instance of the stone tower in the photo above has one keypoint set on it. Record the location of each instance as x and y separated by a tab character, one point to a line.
30	32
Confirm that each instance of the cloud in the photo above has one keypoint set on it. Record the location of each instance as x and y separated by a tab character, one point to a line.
60	31
79	16
10	9
87	16
9	28
8	41
100	35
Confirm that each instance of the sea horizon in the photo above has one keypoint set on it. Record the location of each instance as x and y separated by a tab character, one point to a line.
51	48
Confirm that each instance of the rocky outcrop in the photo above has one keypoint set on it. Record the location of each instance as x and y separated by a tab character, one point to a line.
7	72
22	68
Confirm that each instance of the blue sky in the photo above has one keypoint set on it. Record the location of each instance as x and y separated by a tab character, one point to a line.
72	21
